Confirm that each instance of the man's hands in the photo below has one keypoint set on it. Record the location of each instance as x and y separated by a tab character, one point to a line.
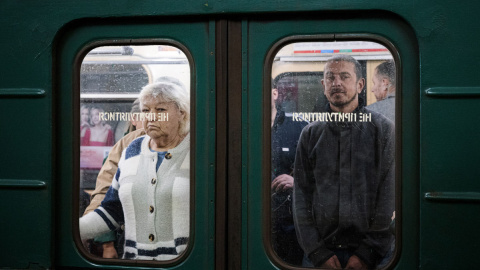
332	263
356	263
353	263
109	250
282	182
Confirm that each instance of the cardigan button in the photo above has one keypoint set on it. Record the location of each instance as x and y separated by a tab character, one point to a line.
151	237
154	181
151	209
168	156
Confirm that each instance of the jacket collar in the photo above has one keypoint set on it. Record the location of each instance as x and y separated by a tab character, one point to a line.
279	118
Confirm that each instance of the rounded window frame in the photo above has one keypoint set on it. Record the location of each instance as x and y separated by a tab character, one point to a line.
267	87
79	57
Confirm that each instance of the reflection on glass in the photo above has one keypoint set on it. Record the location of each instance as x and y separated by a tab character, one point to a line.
135	152
333	155
96	132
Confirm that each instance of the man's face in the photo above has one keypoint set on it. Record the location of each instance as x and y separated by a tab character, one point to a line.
274	98
379	88
341	86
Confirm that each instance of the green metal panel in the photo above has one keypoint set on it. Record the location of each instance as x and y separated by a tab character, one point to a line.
25	161
195	36
450	185
262	35
449	128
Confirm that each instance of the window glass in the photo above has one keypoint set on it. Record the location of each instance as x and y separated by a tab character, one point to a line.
135	152
333	154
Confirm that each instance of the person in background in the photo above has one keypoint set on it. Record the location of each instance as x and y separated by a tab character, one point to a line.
167	143
343	196
104	180
110	166
136	122
84	126
84	116
384	87
99	133
285	135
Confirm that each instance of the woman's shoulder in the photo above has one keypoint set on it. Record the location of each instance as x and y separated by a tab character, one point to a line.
134	148
184	145
107	127
130	137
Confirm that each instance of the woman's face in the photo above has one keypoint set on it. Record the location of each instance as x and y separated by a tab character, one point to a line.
166	120
94	116
84	115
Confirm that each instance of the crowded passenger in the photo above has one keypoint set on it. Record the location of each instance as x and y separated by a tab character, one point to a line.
109	242
152	178
344	178
285	134
109	247
135	122
384	87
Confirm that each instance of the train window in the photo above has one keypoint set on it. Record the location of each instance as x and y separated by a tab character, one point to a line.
135	152
333	155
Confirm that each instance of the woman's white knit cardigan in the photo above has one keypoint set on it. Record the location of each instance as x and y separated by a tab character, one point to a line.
154	205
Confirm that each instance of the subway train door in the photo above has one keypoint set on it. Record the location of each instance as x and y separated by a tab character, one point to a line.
101	66
261	50
233	66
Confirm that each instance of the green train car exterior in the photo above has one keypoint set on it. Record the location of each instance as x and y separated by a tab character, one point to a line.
230	46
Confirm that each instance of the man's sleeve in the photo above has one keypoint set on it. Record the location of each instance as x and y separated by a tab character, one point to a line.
308	236
378	239
105	176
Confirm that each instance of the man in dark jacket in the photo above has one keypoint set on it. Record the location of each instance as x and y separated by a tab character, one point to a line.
344	177
285	135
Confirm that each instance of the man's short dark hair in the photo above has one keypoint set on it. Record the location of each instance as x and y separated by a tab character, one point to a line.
348	58
387	70
275	82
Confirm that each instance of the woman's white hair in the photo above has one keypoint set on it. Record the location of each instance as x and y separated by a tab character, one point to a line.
170	92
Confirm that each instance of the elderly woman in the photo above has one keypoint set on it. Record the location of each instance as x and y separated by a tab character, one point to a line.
151	189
